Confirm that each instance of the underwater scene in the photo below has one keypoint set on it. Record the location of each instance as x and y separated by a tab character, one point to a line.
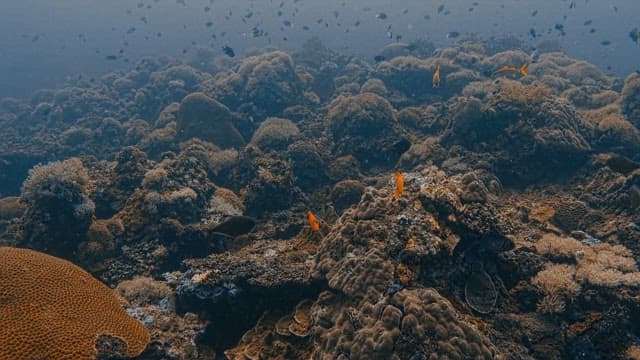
306	179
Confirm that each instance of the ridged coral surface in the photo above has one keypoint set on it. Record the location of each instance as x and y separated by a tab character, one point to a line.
52	309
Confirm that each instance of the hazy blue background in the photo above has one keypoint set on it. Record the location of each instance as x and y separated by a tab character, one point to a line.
42	41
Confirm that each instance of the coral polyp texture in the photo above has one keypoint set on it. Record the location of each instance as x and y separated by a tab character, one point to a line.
52	309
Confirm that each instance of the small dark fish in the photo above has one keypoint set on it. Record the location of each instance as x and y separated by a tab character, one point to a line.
452	34
440	8
207	9
572	5
535	55
447	12
534	13
131	30
111	57
592	31
401	146
605	42
405	11
381	16
532	33
209	24
560	29
379	58
305	28
587	23
235	226
287	23
228	51
634	34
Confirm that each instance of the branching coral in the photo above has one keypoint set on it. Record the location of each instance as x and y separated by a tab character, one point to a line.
597	266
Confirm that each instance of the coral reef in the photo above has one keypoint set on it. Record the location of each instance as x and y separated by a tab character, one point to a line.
515	234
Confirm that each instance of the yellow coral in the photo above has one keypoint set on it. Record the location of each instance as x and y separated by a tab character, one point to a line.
52	309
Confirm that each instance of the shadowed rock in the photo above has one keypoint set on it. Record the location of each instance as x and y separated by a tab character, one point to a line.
205	118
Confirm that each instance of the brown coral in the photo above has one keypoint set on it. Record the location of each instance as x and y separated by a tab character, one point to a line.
631	99
275	134
205	118
52	309
364	126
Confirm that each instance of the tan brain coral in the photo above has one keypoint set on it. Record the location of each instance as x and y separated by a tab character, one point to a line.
52	309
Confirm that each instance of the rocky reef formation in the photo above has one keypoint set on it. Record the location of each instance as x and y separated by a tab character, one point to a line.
189	189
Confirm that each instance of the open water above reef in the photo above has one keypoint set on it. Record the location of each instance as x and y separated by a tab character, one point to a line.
75	36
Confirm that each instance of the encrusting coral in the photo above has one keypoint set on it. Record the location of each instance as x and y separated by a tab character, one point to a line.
52	309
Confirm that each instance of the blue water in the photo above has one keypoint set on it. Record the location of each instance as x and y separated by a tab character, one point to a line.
43	41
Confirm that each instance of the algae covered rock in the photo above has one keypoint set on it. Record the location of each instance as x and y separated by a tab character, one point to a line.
631	99
267	82
365	126
205	118
59	210
275	134
527	134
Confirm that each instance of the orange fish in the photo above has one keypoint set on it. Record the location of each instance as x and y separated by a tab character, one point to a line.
315	226
399	185
436	77
522	70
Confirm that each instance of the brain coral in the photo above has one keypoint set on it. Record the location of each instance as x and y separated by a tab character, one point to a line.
52	309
